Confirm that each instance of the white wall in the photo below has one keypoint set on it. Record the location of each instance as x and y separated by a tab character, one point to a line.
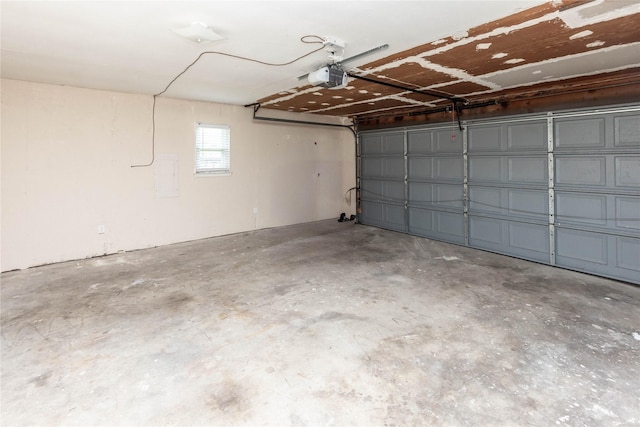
66	169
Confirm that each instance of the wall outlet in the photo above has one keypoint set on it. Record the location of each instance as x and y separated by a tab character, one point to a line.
255	210
101	229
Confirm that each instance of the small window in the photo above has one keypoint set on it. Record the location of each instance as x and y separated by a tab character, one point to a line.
213	149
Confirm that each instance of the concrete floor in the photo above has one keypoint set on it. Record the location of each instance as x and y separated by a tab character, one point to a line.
317	324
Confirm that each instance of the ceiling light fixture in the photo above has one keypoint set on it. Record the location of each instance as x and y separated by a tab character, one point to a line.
199	33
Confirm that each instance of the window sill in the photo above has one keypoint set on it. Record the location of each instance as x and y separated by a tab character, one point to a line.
211	174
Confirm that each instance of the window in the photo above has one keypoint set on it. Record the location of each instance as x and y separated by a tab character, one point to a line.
212	149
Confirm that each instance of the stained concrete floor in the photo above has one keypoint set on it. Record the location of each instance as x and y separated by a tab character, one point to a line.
327	324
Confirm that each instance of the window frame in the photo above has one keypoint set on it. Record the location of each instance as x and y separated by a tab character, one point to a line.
198	168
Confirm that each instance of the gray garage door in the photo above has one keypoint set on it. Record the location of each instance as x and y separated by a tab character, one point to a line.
561	188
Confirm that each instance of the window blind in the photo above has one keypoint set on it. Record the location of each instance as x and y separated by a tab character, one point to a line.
213	153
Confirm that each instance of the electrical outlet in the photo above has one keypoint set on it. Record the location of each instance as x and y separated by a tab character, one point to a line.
255	210
101	229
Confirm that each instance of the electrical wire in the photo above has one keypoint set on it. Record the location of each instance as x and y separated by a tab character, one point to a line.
303	39
347	195
347	192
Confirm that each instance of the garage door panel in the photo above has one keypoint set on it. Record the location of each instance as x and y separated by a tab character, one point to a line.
530	170
420	142
394	215
513	202
444	195
581	133
383	144
371	212
372	188
385	190
436	168
627	171
450	224
488	230
421	221
449	168
628	254
508	195
394	190
528	241
527	170
524	136
382	173
448	141
383	215
441	225
372	167
394	168
527	136
528	203
485	138
420	168
597	176
486	199
598	171
609	255
612	213
379	167
393	144
627	130
487	169
371	144
421	192
581	171
449	195
581	208
627	213
581	245
435	142
530	237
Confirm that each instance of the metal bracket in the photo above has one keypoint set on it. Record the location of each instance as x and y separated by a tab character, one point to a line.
551	185
465	183
406	180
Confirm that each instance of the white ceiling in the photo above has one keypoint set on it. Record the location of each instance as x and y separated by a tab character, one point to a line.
129	46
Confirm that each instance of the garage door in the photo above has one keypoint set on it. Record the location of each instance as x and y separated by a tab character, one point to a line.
561	188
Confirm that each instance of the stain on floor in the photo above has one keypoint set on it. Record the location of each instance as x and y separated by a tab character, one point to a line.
321	324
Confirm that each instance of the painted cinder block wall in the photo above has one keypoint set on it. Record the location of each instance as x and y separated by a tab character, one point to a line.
66	170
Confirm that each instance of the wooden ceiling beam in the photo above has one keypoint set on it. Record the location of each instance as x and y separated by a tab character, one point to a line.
624	93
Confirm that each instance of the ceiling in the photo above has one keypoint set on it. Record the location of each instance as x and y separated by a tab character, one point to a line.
473	52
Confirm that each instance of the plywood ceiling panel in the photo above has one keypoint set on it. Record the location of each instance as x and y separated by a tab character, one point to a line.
527	15
548	49
415	75
546	41
464	88
379	105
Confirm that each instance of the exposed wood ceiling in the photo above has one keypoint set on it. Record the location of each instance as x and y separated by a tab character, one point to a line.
557	48
480	52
